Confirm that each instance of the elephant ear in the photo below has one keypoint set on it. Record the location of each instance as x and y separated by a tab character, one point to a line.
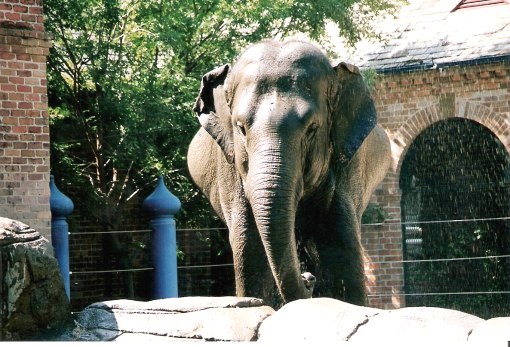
213	111
354	114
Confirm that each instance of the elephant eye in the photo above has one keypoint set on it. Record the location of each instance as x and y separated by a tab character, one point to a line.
241	128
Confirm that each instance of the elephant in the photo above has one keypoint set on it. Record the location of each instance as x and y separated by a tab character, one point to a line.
288	153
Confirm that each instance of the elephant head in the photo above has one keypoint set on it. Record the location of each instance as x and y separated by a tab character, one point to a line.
283	116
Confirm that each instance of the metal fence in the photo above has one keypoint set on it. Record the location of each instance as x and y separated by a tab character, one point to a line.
461	264
204	265
205	269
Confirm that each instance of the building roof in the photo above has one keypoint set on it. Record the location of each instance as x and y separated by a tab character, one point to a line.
430	33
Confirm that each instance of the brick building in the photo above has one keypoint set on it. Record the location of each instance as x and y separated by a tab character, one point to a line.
24	130
443	61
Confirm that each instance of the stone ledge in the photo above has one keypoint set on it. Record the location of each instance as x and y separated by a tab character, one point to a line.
188	319
317	321
32	297
12	231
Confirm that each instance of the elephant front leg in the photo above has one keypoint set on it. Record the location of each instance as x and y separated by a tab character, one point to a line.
252	273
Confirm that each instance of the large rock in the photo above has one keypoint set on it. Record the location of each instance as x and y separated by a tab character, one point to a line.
187	319
329	321
33	299
428	325
492	332
320	320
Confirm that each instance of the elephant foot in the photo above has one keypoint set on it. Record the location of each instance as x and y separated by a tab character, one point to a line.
309	280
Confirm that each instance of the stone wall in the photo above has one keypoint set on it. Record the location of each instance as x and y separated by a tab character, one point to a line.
24	129
231	319
407	103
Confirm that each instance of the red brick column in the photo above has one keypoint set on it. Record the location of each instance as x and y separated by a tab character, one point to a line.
24	129
383	249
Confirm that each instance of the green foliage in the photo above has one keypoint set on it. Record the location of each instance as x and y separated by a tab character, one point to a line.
373	214
369	76
123	76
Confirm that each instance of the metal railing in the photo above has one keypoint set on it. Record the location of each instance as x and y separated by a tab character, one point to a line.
228	265
207	266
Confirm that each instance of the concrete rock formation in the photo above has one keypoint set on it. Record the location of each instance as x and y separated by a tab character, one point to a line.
340	322
320	321
187	319
33	300
492	332
331	322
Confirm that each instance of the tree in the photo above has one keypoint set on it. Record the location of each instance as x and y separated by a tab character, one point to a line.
123	76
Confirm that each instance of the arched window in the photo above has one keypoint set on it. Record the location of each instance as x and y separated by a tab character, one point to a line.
455	182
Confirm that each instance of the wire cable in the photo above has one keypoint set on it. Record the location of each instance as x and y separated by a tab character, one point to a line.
439	259
109	271
396	221
437	294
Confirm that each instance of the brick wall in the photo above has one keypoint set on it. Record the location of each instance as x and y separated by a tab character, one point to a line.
24	132
407	103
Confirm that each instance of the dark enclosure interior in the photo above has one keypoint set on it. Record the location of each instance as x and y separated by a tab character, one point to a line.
455	182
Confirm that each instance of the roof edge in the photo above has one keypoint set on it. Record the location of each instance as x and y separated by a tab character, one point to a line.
435	66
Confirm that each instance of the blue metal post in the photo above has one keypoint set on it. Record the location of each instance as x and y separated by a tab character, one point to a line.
163	205
61	206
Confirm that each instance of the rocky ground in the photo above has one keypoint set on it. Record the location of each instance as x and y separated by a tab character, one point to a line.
321	320
32	295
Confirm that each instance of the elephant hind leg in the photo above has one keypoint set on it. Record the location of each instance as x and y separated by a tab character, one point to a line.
341	274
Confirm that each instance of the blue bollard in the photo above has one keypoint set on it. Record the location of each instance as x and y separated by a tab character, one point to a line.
163	205
61	206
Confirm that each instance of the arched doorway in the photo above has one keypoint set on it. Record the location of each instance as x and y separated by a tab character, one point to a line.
455	183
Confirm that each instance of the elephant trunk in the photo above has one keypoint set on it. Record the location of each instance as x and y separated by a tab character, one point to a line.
274	188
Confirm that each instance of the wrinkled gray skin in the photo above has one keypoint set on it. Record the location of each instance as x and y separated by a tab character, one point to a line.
288	154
